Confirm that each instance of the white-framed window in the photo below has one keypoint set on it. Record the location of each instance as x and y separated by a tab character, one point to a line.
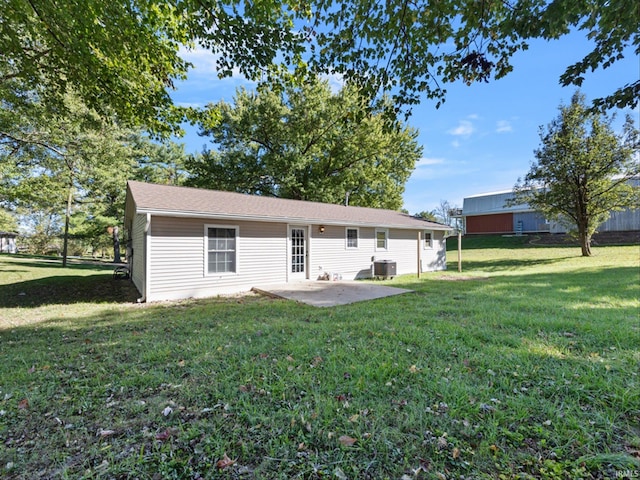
221	249
382	239
428	240
352	235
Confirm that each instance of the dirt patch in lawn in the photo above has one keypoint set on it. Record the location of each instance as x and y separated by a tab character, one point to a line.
460	278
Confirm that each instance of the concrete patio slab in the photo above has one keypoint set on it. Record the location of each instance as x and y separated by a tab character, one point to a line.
327	293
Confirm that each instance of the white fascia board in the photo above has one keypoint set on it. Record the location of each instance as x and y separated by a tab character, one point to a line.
297	220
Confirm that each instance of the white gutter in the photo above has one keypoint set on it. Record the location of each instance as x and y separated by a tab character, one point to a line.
290	220
147	259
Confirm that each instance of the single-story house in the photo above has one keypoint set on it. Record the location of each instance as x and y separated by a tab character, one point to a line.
489	213
8	242
189	242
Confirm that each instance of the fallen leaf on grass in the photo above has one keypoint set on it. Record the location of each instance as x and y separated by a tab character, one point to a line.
414	369
105	433
456	453
167	411
346	440
164	435
24	404
225	462
425	464
339	474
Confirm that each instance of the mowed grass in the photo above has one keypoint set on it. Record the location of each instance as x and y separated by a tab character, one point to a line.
525	365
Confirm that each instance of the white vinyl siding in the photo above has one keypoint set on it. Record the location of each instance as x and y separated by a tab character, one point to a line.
138	248
435	258
402	249
329	255
178	260
177	254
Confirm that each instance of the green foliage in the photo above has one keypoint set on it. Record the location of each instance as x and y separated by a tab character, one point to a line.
75	163
123	56
307	143
582	170
413	47
45	158
118	56
44	229
8	221
431	216
162	163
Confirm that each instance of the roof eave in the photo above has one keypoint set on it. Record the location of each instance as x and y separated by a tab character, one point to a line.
273	219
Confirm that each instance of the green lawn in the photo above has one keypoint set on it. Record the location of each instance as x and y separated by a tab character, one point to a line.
523	366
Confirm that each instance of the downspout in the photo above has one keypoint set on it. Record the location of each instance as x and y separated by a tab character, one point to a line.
419	255
147	257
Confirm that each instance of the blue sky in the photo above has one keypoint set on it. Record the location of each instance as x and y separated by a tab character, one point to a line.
482	138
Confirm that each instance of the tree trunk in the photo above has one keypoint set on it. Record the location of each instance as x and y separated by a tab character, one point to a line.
585	240
116	246
67	218
585	244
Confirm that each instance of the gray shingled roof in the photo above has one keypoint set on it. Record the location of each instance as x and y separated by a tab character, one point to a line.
180	201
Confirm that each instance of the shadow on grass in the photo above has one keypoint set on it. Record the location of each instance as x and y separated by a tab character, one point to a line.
67	289
496	265
52	262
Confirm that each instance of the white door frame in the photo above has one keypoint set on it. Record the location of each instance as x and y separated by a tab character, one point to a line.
294	262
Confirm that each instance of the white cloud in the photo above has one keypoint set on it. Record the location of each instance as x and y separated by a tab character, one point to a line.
503	126
423	162
202	59
205	65
455	144
336	81
429	168
464	129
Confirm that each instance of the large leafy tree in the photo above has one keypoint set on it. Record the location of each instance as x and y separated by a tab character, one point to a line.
8	221
122	56
415	47
308	143
73	163
582	170
159	162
